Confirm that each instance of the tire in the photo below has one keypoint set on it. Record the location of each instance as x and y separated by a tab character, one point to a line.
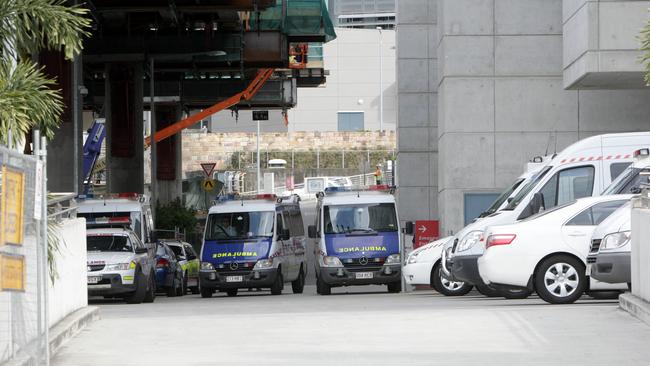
604	295
181	289
140	290
184	285
322	288
298	285
206	293
446	287
278	285
195	290
231	292
171	290
150	295
395	287
560	279
487	290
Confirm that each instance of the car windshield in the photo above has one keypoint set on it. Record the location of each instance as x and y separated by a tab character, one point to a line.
239	225
504	196
527	188
178	251
108	243
628	182
360	218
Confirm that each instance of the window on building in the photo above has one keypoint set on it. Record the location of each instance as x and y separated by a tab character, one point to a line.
350	121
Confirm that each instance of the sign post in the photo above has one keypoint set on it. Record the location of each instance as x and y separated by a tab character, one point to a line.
426	231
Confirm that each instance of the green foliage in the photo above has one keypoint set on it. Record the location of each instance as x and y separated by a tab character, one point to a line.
175	215
645	46
54	243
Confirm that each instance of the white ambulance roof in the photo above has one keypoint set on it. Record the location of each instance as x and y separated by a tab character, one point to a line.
632	139
351	198
243	206
108	205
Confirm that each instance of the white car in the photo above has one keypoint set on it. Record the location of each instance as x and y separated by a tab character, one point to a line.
423	266
546	252
609	258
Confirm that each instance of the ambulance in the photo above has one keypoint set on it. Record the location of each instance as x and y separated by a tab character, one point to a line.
253	242
357	238
583	169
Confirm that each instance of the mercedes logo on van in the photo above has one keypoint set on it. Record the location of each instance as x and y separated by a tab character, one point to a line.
363	261
234	266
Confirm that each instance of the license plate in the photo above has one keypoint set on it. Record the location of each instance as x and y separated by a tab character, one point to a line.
363	275
588	272
234	278
93	279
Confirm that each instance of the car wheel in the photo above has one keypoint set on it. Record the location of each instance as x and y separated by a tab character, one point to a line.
446	286
140	289
150	295
278	285
206	292
195	290
604	295
171	290
322	288
181	286
560	279
298	285
487	290
184	291
231	292
395	287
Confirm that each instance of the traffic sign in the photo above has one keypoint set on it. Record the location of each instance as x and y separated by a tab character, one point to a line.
426	231
208	184
208	168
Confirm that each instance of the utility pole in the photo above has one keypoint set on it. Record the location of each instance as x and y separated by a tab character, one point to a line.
381	83
259	172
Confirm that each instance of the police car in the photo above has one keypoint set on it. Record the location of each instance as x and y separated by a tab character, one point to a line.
119	265
253	242
357	239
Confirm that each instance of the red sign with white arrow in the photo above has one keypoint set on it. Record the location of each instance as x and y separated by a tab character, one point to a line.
208	168
426	231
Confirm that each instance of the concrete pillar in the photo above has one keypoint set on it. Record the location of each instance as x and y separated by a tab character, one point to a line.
169	156
65	149
124	128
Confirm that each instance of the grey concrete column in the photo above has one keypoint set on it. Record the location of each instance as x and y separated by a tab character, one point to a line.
168	189
124	128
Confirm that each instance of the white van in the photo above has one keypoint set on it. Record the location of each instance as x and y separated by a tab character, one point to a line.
357	239
257	242
119	206
581	170
424	264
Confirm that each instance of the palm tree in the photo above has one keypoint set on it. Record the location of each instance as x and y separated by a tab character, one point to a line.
645	46
27	96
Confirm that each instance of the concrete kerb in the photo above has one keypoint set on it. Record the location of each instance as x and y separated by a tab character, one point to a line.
61	332
635	306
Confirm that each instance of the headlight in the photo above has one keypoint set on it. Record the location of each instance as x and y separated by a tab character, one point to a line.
118	266
264	264
393	259
332	262
207	266
469	240
615	240
413	258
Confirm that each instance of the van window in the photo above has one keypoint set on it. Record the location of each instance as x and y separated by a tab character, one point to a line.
595	214
369	217
568	185
502	198
527	188
628	182
239	225
279	226
293	218
617	168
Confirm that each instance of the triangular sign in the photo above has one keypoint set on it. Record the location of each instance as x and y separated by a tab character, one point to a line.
208	168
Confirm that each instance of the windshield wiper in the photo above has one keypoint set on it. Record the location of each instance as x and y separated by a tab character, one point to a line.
358	231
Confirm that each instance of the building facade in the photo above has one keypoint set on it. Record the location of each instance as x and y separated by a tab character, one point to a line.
368	14
501	81
350	100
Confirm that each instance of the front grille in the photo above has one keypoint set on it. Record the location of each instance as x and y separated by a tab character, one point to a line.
591	260
595	246
228	272
96	267
361	262
367	268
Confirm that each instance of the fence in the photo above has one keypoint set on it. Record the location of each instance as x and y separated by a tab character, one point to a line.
23	257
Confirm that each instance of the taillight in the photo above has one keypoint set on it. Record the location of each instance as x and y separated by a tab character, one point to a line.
162	262
499	239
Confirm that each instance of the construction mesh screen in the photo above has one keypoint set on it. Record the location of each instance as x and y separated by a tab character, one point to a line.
303	18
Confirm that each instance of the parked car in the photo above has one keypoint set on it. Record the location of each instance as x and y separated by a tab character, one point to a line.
189	261
169	271
119	265
609	258
546	252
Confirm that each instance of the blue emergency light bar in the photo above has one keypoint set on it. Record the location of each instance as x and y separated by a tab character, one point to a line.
375	188
109	221
235	197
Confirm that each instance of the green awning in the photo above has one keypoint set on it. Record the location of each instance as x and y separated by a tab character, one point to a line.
307	18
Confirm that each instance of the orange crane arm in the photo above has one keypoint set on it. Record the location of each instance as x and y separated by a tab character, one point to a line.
246	94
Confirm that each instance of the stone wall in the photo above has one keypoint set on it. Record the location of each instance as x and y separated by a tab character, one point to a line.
201	147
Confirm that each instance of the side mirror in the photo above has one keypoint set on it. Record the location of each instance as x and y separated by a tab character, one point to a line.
141	250
534	206
409	228
510	199
311	231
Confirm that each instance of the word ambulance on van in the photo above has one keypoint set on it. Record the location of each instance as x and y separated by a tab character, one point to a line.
357	238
